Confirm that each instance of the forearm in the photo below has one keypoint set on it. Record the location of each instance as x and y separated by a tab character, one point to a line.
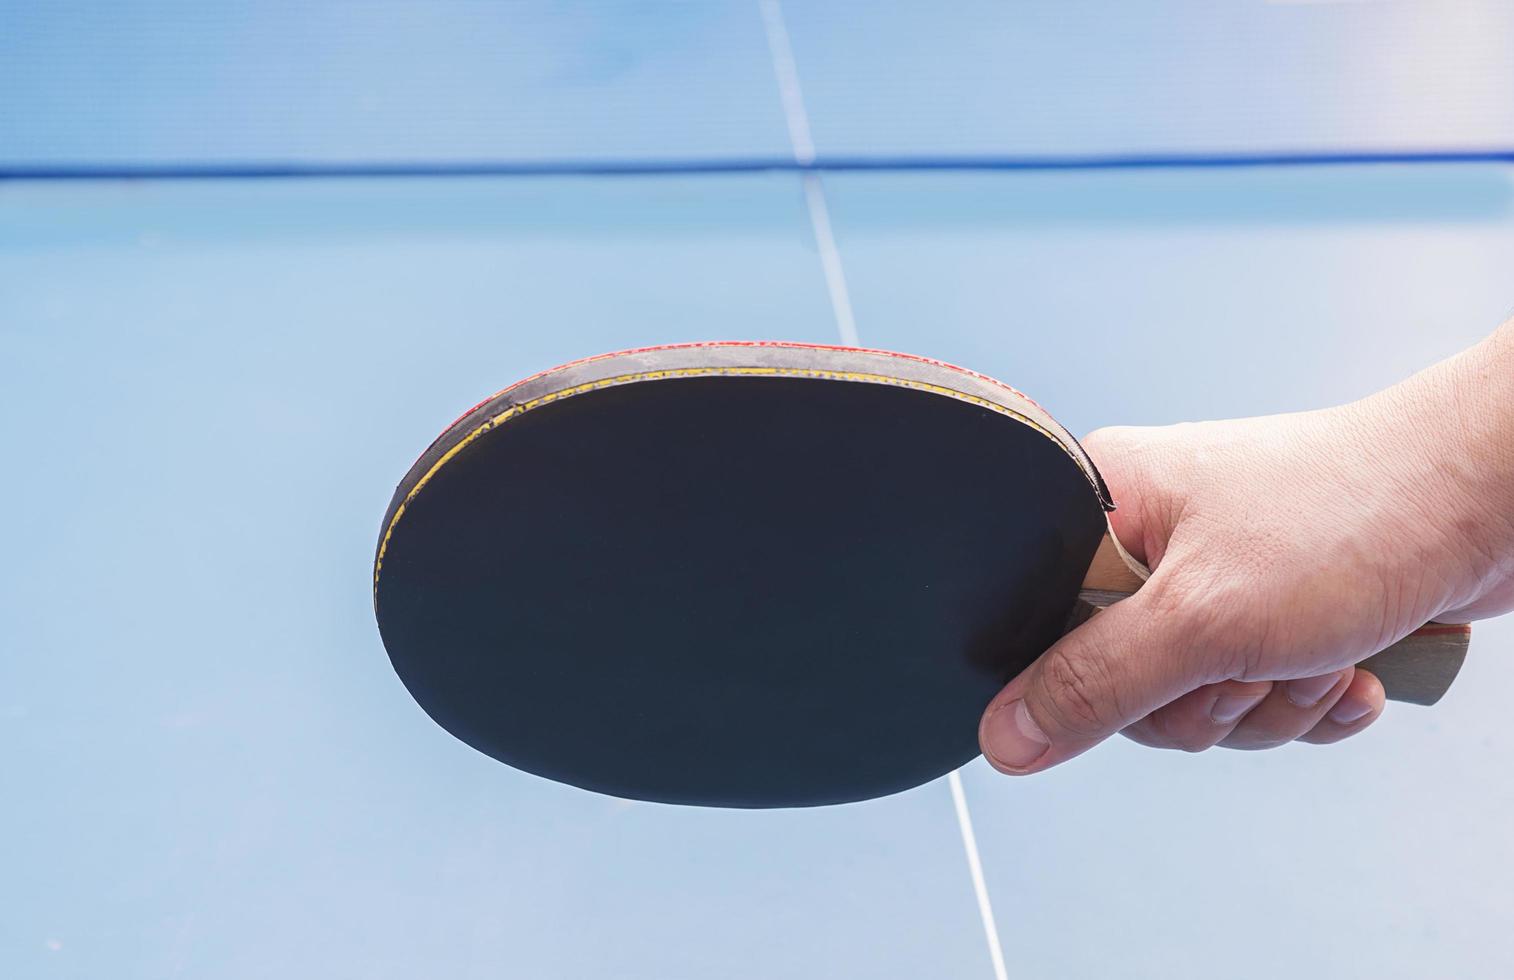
1444	439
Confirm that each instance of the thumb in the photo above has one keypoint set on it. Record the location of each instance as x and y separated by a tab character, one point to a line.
1122	664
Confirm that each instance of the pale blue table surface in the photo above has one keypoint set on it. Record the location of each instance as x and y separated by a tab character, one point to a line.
210	389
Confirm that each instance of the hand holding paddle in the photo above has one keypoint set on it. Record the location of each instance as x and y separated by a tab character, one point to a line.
1286	551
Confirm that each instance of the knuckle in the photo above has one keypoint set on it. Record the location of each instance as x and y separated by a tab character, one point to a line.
1193	740
1078	687
1147	732
1186	732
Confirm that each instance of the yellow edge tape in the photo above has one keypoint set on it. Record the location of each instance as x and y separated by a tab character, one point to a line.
621	379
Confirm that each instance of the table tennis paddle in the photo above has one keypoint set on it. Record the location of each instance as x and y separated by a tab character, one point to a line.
752	574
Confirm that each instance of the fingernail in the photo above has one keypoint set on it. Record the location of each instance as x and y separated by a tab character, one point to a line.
1307	691
1348	711
1227	710
1013	738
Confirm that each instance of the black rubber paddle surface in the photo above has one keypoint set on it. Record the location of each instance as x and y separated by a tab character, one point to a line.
734	591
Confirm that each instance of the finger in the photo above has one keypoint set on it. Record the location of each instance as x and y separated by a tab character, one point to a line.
1358	707
1293	708
1199	719
1133	461
1101	677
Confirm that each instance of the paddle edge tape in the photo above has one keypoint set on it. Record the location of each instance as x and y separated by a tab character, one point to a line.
754	359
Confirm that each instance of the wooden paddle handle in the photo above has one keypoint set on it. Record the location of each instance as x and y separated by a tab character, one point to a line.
1417	669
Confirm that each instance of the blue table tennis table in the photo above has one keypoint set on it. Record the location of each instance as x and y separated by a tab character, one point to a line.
252	258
